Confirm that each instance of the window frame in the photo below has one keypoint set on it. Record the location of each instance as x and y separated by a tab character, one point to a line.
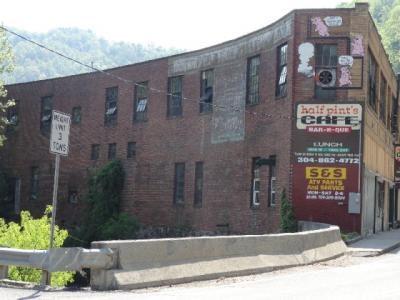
324	60
206	91
112	151
198	184
141	101
282	64
34	183
382	98
253	80
46	108
95	152
179	184
372	76
272	183
76	115
255	184
131	150
174	97
111	106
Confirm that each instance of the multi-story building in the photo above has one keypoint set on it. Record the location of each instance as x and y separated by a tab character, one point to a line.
210	139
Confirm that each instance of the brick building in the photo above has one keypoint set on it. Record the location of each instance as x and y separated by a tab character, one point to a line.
209	139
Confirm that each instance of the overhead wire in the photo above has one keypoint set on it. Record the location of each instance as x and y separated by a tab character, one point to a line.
231	108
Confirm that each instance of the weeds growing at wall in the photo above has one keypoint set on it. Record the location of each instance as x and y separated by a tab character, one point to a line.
288	221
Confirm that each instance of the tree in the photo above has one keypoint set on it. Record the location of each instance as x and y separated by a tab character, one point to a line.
33	234
6	66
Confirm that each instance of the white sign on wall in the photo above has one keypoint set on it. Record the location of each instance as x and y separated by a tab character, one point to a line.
59	137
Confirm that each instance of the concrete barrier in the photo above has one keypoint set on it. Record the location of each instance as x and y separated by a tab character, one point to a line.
145	263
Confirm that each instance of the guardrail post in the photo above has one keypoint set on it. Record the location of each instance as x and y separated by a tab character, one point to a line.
3	272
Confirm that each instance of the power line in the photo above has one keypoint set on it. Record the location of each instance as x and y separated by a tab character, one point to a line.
232	108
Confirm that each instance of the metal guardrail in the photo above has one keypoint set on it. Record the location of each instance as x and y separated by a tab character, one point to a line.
57	259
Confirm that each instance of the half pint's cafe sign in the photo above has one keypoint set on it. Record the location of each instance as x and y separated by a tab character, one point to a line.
326	151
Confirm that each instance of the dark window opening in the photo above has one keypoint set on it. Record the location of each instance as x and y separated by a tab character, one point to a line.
206	91
111	113
45	115
198	184
281	81
253	80
95	153
73	196
325	69
174	96
141	102
372	77
131	150
179	183
34	183
76	115
383	100
112	151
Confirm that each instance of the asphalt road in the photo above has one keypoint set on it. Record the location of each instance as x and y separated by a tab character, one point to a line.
344	278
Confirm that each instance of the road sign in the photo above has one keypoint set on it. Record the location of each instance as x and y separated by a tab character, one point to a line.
59	137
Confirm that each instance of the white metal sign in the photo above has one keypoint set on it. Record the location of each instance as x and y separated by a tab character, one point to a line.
59	138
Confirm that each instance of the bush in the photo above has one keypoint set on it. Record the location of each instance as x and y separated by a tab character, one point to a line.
33	234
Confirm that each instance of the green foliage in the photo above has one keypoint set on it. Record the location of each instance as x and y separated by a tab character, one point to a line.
35	63
33	234
104	220
6	66
288	222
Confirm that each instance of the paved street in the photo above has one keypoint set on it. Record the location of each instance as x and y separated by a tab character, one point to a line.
343	278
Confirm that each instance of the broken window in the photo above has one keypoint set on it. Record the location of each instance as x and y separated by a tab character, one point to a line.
372	78
110	117
174	96
281	82
253	80
76	115
206	91
95	152
45	115
73	196
198	183
141	102
179	183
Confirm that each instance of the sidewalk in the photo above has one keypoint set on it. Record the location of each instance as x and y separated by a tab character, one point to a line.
376	244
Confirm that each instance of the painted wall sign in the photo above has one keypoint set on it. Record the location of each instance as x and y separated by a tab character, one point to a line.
357	47
326	160
306	52
345	60
345	76
333	21
320	26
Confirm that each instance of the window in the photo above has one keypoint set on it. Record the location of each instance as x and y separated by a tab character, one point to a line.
255	184
179	183
76	115
206	91
34	183
372	77
112	151
281	81
272	182
382	99
95	153
174	96
12	114
111	113
73	196
198	184
325	69
141	102
45	115
131	150
253	80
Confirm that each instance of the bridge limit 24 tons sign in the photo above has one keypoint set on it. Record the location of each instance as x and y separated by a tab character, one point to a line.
59	138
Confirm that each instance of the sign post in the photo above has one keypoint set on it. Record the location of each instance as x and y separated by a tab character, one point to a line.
59	145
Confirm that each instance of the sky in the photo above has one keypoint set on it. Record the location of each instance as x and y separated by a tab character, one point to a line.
181	24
